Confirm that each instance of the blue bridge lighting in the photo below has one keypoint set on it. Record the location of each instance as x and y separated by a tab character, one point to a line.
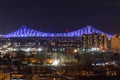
25	31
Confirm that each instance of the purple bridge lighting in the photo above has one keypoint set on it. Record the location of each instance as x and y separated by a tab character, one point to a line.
25	31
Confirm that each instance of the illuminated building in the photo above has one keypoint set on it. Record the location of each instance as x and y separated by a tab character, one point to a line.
4	76
65	44
115	43
94	42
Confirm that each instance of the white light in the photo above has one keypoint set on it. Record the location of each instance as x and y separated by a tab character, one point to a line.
93	64
27	50
95	49
39	49
106	63
56	62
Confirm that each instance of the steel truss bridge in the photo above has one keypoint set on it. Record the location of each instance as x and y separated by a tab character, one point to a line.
26	31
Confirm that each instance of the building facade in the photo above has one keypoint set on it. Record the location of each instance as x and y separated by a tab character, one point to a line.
95	42
115	44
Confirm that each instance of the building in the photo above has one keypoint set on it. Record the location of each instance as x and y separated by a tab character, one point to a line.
65	44
4	76
115	44
94	42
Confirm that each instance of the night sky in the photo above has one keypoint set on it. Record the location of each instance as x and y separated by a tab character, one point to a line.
59	15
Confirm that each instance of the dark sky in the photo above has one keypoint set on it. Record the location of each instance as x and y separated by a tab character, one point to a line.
57	15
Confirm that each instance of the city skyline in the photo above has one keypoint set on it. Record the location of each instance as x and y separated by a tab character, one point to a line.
57	16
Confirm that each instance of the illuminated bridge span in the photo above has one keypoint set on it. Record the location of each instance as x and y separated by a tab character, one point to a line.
25	31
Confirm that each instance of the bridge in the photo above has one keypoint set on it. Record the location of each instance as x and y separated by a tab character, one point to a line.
26	31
